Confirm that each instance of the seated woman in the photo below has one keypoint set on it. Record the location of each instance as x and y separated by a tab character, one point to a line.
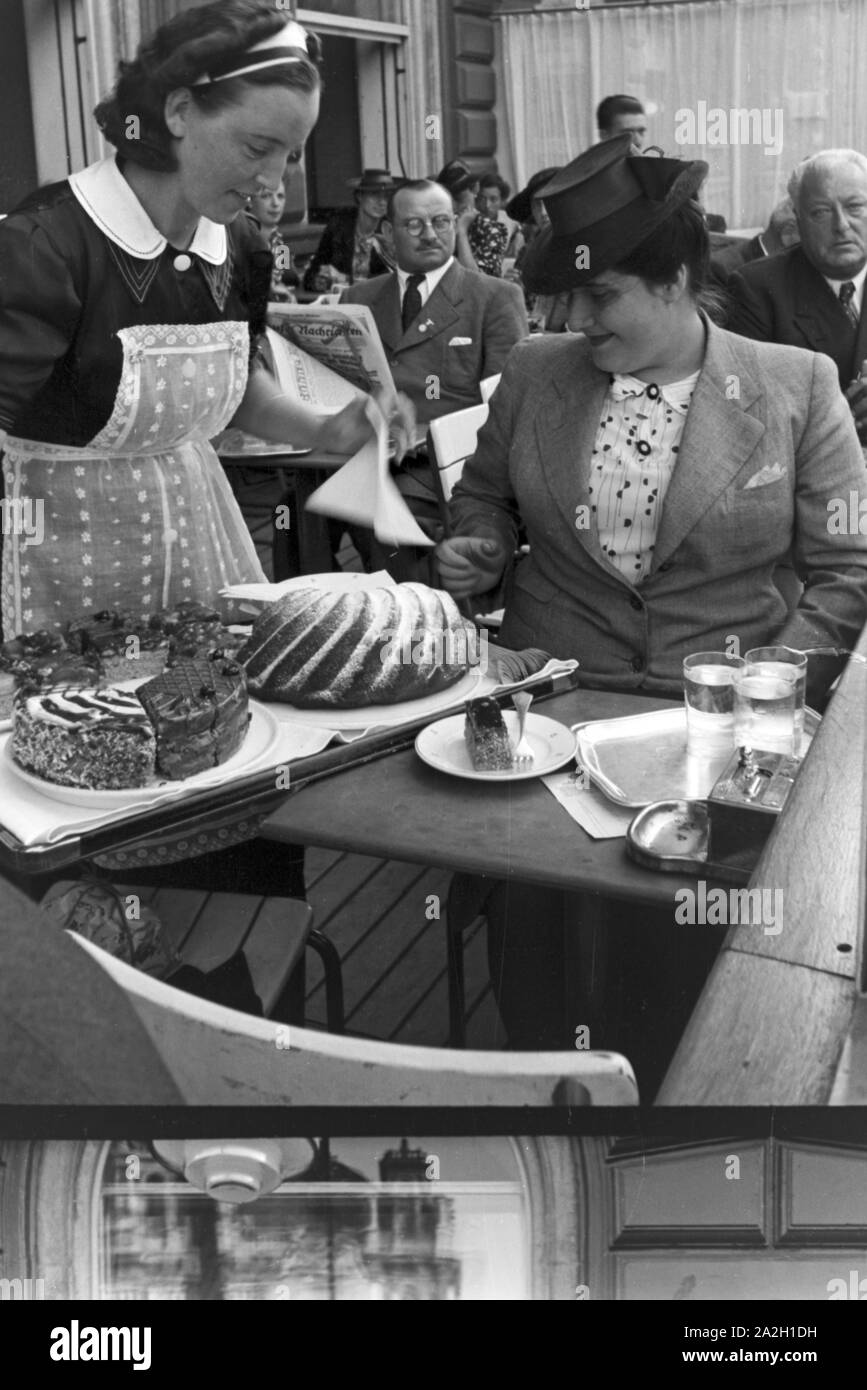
267	207
663	468
351	248
547	312
481	240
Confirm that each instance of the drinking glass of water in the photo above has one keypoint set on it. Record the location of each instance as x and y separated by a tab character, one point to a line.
710	702
765	708
774	661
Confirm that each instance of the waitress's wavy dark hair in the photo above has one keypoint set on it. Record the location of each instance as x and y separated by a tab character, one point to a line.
178	53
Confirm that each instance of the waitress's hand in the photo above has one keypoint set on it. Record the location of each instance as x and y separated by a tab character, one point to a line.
470	565
345	432
400	417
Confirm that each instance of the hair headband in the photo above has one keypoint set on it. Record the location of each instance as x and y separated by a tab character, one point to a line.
288	45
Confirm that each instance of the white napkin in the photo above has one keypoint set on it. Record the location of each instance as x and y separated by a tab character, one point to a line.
358	723
364	492
589	806
252	598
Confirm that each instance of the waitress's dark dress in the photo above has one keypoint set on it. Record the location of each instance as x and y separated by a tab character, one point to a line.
120	358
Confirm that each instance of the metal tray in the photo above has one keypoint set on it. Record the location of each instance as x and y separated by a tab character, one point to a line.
642	758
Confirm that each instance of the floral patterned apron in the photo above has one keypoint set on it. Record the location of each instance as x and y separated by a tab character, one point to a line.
142	516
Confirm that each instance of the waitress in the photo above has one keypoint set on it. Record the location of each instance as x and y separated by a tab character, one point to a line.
132	296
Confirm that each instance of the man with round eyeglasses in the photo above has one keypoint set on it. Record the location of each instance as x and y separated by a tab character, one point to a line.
444	329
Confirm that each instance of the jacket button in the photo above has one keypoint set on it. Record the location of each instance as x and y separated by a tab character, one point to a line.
637	663
635	601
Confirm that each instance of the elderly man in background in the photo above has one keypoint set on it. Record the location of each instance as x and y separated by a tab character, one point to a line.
444	329
812	295
780	234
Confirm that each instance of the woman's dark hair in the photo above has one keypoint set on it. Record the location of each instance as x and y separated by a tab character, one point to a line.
494	181
681	240
179	53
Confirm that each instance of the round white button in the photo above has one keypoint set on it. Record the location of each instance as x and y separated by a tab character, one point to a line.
183	262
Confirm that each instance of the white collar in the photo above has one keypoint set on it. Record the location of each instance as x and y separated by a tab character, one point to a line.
110	203
677	394
857	281
431	279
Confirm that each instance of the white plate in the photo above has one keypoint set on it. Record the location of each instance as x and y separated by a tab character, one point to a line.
263	733
378	716
443	746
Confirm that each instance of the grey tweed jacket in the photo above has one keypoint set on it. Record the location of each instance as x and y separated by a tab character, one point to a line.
768	455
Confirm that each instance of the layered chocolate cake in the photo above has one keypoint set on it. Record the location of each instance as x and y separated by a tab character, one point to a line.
486	736
199	711
320	650
99	739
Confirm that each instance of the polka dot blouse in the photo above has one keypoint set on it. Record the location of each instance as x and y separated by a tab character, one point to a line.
633	459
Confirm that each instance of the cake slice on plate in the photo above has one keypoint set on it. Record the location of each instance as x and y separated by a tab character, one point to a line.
486	735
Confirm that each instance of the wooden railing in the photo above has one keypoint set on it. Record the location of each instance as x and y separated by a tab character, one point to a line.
776	1010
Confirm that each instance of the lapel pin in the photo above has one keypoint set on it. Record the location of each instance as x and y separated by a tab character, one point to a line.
423	327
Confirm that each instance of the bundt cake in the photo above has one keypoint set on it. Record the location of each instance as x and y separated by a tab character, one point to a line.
320	650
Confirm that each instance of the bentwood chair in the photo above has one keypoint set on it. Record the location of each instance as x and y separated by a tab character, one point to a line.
218	1056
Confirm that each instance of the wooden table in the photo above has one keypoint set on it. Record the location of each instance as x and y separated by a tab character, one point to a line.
399	808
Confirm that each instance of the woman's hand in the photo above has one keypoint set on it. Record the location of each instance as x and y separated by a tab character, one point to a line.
470	564
347	431
400	417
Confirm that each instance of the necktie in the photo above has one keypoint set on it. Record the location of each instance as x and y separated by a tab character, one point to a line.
847	291
411	301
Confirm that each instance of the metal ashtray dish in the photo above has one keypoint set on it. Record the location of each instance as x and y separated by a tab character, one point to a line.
670	835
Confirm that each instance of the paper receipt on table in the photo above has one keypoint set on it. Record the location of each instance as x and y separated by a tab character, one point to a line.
588	806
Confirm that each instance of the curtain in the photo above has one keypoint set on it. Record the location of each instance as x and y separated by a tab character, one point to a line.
796	63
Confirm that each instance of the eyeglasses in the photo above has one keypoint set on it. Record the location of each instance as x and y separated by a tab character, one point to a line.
443	222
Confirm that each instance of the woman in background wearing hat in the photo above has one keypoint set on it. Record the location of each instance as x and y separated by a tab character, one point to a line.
351	248
663	469
547	312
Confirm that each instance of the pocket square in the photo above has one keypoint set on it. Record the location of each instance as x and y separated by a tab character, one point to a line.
771	473
460	342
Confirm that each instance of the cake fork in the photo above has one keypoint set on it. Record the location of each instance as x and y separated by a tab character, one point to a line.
523	753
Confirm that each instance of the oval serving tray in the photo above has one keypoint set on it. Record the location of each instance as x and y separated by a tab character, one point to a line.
642	758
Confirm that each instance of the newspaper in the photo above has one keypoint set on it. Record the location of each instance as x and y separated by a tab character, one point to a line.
306	378
343	337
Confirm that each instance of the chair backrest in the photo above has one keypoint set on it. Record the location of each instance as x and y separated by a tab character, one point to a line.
489	386
218	1056
452	440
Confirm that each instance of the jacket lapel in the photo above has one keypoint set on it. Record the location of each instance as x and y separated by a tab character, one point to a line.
567	418
390	326
718	439
438	314
820	318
